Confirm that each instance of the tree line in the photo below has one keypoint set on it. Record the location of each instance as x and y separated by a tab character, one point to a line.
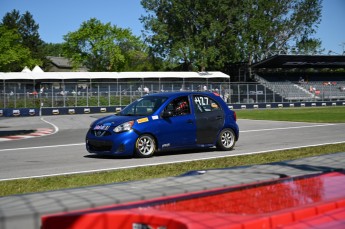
188	35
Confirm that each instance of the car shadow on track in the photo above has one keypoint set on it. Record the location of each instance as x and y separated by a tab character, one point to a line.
157	154
106	157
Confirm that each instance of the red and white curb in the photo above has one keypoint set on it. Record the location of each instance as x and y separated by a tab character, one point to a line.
38	133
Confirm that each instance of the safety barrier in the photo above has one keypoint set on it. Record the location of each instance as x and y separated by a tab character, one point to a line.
10	112
7	112
71	111
32	112
16	112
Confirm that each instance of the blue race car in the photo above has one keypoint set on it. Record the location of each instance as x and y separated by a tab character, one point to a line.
165	122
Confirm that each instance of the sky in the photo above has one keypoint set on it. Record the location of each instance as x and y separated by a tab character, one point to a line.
57	18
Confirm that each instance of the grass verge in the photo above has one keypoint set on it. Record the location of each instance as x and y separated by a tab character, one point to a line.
312	114
159	171
304	114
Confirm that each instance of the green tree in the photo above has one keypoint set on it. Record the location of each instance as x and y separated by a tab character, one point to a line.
272	27
31	38
210	34
307	46
53	49
28	30
13	55
178	30
11	20
103	47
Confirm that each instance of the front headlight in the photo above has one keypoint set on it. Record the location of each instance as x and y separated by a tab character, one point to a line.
124	127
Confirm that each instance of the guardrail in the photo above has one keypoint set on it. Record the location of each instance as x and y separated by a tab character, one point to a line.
10	112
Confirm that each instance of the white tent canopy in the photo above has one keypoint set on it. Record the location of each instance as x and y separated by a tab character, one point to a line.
26	69
37	69
110	75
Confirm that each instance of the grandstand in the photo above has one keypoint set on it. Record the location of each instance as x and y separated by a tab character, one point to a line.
286	89
320	88
303	78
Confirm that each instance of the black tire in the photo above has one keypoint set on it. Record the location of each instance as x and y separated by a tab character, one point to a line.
145	146
226	140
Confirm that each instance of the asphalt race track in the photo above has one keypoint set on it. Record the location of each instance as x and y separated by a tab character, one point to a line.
62	150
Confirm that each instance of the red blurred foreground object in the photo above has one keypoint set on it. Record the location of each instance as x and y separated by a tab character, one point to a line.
314	201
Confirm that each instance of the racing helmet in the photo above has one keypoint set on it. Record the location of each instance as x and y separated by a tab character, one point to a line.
182	107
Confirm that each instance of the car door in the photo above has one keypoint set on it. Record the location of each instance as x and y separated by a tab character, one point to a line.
177	130
209	119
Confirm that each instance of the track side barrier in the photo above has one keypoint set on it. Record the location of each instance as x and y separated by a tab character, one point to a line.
78	110
10	112
32	112
16	112
6	112
255	205
71	111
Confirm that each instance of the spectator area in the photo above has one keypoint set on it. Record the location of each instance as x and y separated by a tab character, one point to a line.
303	77
302	87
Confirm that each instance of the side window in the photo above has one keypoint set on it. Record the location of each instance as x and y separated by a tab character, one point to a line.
205	104
179	106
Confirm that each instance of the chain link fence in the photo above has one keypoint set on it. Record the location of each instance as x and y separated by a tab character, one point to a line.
81	94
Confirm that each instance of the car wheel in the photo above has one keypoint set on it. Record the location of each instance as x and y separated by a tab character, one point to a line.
145	146
226	140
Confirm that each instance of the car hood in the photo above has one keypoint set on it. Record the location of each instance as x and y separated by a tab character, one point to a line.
114	120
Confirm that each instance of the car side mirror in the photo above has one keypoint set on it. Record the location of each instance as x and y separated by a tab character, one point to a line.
167	114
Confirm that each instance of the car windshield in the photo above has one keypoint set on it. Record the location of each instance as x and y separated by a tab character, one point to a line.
143	106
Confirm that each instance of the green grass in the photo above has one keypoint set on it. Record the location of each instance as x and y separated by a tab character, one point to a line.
326	114
314	114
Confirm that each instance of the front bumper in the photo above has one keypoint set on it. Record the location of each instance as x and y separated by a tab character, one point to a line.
112	143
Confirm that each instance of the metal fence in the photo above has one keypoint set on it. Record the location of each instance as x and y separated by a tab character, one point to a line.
77	94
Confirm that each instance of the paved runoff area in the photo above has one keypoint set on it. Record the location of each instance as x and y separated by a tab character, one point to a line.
26	211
